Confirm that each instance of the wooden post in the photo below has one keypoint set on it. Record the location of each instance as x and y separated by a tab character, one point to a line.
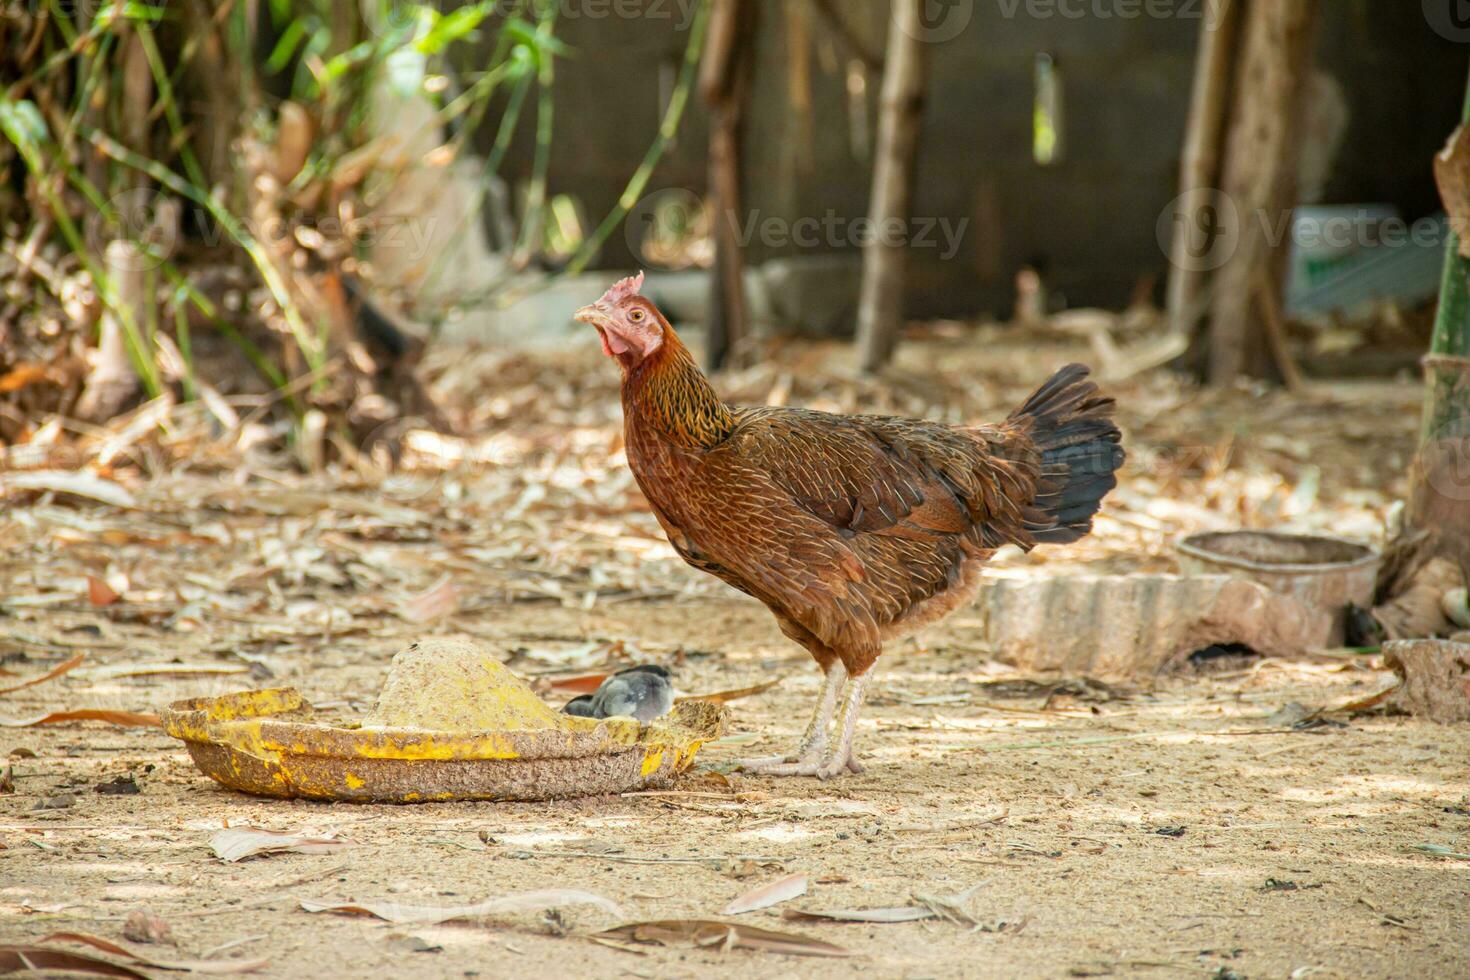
1260	176
880	304
112	384
724	82
1199	168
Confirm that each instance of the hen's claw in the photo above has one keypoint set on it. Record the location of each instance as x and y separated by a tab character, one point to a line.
814	765
765	762
808	757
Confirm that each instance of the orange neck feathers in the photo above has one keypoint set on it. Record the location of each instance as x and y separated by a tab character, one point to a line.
668	392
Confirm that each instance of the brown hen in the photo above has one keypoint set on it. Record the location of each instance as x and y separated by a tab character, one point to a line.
852	529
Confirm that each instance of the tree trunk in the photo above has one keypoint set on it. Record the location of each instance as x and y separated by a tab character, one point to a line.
1439	497
724	82
1260	176
880	305
1199	169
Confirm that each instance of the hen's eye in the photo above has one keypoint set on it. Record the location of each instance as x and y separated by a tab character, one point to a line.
636	315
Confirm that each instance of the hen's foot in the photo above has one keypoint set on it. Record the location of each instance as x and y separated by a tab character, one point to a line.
775	765
822	768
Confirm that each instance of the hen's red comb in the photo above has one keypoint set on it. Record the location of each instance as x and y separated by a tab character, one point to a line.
622	289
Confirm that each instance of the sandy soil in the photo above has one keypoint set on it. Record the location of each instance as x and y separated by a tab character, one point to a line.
1173	828
1064	818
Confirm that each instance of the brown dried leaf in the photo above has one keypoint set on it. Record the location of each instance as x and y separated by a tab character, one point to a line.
238	843
112	671
128	719
724	697
726	935
778	891
54	672
420	914
190	966
99	593
1452	174
901	913
1365	703
22	376
30	958
439	600
580	684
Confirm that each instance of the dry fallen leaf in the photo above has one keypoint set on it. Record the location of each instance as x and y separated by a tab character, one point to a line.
22	376
778	891
54	672
99	593
579	684
109	672
420	914
439	600
128	719
79	484
725	935
238	843
902	913
951	908
723	697
30	957
142	959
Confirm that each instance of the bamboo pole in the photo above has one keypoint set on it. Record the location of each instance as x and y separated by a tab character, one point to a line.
880	303
1439	495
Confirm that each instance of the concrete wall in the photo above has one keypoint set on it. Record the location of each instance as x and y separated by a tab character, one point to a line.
1090	217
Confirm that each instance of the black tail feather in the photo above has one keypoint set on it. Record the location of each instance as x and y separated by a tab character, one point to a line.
1072	426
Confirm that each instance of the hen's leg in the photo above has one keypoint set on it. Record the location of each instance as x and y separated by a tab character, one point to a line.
840	757
814	743
837	758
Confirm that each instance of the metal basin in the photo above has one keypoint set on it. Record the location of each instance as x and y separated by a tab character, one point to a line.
1325	572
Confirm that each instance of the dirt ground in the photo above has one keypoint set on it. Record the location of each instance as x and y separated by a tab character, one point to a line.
1173	826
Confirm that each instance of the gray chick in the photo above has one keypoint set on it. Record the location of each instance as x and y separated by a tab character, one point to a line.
643	692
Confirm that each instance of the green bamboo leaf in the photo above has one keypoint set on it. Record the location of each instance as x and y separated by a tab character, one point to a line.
536	40
23	123
291	39
448	28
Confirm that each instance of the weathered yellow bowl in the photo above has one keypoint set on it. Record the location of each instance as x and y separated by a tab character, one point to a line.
267	742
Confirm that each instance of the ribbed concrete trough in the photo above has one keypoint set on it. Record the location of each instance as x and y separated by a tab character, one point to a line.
1281	595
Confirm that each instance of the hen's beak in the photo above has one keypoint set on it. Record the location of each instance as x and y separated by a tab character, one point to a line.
599	317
